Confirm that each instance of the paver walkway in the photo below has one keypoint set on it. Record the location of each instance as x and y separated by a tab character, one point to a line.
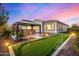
68	49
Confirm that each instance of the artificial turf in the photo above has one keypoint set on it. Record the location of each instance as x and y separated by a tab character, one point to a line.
42	47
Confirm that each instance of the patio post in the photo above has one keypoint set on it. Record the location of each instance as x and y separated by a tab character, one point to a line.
31	26
17	29
39	29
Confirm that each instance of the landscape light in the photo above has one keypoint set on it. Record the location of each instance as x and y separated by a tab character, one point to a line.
73	34
6	44
46	34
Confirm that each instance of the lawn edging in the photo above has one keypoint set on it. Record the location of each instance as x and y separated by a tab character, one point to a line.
11	52
61	46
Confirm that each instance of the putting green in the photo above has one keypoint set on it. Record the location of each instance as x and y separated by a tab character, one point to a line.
42	47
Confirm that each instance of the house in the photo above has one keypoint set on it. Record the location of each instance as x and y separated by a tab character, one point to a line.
38	26
52	26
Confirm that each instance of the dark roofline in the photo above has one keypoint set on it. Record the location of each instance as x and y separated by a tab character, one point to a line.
27	20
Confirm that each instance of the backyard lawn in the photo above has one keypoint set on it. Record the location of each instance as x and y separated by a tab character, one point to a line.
42	47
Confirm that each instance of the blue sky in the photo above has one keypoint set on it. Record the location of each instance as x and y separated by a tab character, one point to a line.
68	13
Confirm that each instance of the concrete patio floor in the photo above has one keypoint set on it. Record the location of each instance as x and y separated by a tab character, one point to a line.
37	36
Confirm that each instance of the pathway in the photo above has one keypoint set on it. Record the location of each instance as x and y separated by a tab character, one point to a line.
68	49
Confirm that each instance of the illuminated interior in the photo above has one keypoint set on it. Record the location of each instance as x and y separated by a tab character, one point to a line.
49	27
36	28
26	27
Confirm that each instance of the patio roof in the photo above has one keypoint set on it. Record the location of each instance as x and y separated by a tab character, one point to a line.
26	22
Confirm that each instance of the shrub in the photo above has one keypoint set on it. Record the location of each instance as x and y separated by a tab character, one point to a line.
20	35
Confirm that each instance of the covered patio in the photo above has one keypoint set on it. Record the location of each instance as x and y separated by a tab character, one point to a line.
26	27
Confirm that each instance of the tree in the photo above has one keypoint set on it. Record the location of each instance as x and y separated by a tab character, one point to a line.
6	31
3	16
3	20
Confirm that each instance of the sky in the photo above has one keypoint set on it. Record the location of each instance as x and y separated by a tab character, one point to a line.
64	12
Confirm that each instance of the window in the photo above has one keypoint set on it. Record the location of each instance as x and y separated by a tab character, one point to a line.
36	28
26	27
49	27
